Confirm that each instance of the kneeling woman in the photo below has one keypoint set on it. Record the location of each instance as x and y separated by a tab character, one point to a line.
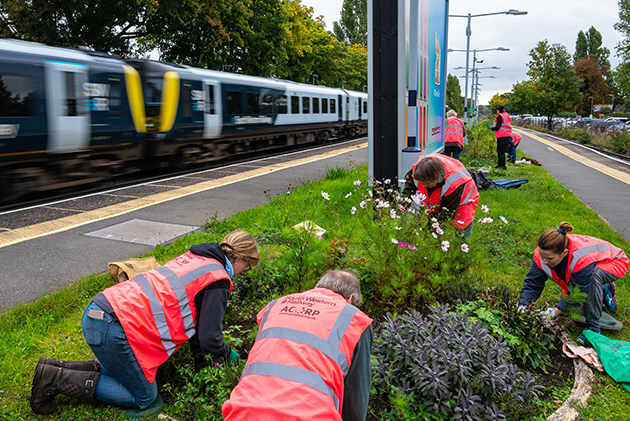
135	326
589	263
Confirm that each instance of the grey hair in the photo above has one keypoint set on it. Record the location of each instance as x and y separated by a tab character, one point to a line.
451	113
344	283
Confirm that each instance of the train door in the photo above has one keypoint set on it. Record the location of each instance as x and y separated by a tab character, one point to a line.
213	113
68	116
340	103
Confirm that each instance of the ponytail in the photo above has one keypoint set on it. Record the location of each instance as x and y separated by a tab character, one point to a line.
555	240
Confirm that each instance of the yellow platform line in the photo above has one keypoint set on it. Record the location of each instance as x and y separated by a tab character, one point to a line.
19	235
611	172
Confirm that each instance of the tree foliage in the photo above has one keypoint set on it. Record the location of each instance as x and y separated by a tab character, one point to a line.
454	98
555	82
352	27
497	100
593	83
522	98
590	43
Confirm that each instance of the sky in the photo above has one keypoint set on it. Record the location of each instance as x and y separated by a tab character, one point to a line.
557	21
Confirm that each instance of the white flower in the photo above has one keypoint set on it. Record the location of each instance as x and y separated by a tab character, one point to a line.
435	225
427	212
394	241
397	228
353	210
357	182
445	245
370	193
440	231
433	220
363	204
392	214
503	219
348	195
465	248
460	222
388	181
381	204
325	195
288	191
486	220
485	208
434	234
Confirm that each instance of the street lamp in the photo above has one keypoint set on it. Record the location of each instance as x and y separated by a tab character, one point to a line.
468	34
314	76
270	67
612	107
591	106
342	83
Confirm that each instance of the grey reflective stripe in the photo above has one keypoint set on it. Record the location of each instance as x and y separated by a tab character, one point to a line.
467	198
264	318
330	349
579	253
158	313
453	178
287	372
545	268
178	284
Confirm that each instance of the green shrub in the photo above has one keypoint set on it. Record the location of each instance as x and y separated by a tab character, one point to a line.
620	142
450	366
481	144
584	138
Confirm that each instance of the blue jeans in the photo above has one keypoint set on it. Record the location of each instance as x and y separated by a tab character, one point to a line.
122	381
592	308
451	151
512	157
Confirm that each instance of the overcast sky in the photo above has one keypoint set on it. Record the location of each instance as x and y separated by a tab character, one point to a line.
558	21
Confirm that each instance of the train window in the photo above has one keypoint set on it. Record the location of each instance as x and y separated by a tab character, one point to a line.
364	107
267	104
187	101
332	106
306	105
324	105
115	97
282	104
253	103
210	100
315	105
16	95
153	96
70	99
295	105
234	102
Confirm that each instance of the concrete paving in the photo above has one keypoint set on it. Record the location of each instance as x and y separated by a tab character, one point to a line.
601	182
40	258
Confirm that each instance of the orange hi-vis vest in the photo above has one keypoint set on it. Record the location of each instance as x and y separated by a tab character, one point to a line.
583	251
454	131
456	175
516	138
157	308
297	366
506	126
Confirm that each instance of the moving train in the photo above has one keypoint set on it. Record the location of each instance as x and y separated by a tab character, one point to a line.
71	116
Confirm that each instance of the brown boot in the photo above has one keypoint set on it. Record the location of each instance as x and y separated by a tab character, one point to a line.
90	365
50	380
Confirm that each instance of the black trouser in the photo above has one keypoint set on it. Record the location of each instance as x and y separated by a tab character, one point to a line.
503	147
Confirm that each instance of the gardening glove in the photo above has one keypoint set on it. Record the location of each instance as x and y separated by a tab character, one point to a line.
546	317
491	127
233	357
521	308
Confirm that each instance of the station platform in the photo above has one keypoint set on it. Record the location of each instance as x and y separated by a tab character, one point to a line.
45	248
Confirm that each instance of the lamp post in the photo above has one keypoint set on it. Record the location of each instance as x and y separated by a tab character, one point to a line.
342	83
612	107
314	76
270	67
468	33
591	106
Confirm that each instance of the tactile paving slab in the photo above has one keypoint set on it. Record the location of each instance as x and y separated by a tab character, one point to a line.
143	232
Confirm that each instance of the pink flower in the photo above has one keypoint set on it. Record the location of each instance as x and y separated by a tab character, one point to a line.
319	237
402	245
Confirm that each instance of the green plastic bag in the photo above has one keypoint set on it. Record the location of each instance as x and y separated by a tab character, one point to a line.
614	354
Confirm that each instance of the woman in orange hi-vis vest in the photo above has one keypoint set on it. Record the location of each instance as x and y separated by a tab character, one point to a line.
454	133
311	358
503	135
135	326
572	260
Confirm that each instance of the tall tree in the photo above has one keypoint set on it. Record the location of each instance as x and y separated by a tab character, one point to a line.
590	43
497	100
352	27
522	98
556	85
621	75
593	82
454	98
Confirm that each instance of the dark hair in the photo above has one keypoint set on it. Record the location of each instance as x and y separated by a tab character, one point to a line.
555	240
429	169
500	108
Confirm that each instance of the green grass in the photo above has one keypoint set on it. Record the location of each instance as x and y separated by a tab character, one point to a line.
50	326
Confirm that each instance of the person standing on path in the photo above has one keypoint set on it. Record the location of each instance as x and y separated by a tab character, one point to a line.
503	135
572	260
133	327
454	133
311	358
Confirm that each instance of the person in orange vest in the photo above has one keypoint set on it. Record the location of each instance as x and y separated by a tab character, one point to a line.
503	135
135	326
311	358
516	139
572	260
449	190
454	133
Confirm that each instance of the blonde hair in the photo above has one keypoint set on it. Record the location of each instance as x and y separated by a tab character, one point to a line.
555	240
451	113
241	244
